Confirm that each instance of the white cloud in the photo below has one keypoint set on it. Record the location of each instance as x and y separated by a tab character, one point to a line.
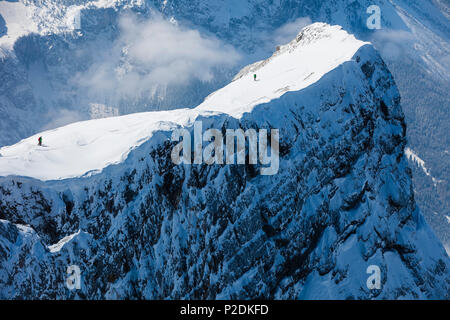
154	52
392	43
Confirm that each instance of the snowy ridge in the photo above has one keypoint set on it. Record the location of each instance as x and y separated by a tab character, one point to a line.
293	67
145	228
90	146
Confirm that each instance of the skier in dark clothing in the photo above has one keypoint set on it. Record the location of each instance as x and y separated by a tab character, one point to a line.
254	77
40	141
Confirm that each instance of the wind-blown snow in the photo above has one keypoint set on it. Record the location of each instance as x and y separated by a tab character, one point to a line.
90	146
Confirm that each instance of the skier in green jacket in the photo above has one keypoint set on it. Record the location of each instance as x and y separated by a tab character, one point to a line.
40	141
254	77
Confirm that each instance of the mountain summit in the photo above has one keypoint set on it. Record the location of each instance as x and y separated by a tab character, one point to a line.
106	197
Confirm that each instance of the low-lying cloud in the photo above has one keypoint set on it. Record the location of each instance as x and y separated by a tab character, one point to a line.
392	43
155	52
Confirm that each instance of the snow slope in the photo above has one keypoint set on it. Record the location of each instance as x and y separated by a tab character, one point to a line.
90	146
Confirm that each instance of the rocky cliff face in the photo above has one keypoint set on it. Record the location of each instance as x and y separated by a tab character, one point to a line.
147	228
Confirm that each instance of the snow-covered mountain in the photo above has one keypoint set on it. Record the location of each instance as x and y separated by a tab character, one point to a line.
104	195
66	61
